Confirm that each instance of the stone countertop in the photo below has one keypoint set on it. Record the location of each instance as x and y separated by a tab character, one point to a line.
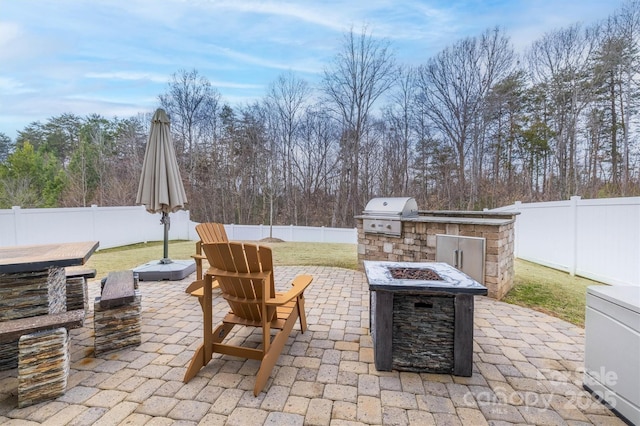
461	220
453	281
476	218
467	213
42	256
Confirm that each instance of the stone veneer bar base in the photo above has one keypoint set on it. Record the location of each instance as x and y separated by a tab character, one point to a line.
77	294
29	294
117	327
43	366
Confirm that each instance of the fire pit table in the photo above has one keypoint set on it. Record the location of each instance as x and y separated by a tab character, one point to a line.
421	316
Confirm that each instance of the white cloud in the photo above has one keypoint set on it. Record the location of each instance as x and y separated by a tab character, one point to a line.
259	60
115	57
325	14
234	85
12	86
128	75
9	32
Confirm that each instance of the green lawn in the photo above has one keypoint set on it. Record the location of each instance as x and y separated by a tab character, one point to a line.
550	291
537	287
322	254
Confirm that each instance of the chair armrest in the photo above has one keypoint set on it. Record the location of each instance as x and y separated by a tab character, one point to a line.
299	284
198	258
194	286
247	275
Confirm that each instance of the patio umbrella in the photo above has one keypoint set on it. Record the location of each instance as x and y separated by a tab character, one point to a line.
160	189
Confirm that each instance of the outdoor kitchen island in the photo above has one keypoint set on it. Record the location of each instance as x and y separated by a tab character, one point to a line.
395	230
421	316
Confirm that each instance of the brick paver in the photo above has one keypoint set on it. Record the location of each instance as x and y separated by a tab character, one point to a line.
527	369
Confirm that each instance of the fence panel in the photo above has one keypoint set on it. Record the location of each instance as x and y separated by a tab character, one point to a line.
118	226
293	233
597	239
111	226
608	241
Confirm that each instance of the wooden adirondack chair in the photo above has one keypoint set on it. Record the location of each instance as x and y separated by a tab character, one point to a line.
245	274
209	232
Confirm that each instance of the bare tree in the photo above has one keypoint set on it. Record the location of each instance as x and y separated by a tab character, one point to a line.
315	164
359	75
286	101
614	70
559	61
188	101
453	86
6	146
400	137
628	20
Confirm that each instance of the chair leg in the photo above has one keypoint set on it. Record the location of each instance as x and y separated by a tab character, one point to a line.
301	314
270	358
198	361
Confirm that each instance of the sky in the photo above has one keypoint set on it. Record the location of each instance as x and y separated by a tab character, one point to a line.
115	57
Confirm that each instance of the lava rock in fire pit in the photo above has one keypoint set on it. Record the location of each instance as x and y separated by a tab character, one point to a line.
414	274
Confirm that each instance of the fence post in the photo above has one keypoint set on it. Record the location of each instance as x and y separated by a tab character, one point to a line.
574	234
518	208
16	234
94	209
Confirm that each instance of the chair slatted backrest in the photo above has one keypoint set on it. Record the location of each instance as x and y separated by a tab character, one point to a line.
245	295
210	232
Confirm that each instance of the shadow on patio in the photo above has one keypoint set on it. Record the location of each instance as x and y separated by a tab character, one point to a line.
527	370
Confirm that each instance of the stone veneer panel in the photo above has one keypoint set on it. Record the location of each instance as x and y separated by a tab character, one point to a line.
29	294
43	366
117	327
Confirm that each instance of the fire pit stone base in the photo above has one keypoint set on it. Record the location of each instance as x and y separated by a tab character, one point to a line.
423	333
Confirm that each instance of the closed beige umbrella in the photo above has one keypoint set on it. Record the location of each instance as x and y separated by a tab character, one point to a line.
160	189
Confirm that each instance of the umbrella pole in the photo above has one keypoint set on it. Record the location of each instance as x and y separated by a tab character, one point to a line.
165	220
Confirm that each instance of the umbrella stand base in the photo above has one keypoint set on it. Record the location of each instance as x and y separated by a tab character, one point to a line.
158	271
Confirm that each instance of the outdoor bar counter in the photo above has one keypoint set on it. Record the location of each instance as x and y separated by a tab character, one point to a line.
33	283
422	321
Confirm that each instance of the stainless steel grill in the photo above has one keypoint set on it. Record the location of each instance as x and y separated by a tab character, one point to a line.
384	215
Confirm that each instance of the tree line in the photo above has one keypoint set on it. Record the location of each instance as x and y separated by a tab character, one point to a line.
477	125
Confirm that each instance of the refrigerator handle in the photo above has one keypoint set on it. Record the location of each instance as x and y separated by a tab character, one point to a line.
461	259
455	258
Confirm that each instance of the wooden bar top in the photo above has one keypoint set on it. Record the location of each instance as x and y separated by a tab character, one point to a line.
42	256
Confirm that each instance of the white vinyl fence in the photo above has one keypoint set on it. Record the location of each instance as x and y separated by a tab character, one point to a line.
597	239
119	226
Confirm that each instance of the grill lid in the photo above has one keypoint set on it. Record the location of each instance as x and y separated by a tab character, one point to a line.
392	207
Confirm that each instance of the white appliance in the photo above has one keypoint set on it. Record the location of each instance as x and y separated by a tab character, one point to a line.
612	348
